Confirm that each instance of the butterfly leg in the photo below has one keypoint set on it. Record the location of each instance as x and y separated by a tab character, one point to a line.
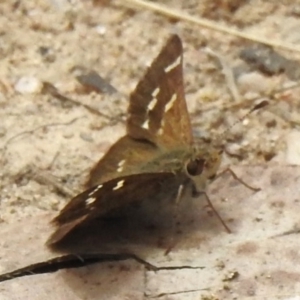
197	194
237	178
175	219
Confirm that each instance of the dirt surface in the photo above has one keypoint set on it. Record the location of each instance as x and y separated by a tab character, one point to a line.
256	261
49	41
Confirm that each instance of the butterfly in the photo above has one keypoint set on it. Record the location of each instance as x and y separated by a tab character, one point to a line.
157	158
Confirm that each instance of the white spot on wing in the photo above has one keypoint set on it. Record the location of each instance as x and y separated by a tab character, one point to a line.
171	102
146	124
155	92
152	104
90	200
173	65
121	165
161	129
119	185
179	194
97	188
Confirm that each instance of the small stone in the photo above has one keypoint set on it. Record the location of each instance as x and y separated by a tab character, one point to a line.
101	29
86	137
253	82
2	131
293	148
233	149
31	109
2	98
68	134
28	85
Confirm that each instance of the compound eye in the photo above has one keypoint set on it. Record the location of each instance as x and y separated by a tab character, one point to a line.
195	167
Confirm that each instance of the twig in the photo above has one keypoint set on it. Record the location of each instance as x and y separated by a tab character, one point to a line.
227	71
238	105
51	89
11	139
173	13
45	178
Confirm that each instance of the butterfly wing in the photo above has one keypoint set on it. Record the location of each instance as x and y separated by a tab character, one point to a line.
157	109
71	261
123	158
158	119
112	196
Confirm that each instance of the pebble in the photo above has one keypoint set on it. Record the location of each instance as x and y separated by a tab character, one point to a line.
233	149
100	29
2	98
86	137
2	131
28	85
68	134
253	82
293	148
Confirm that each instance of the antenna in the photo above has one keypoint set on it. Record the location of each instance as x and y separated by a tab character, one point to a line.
256	107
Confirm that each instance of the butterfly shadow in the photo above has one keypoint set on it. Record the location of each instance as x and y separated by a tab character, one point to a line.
145	231
143	227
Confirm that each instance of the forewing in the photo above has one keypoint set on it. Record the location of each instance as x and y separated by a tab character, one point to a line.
157	110
123	158
158	119
112	196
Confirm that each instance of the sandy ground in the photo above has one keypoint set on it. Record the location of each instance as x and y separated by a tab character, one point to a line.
50	40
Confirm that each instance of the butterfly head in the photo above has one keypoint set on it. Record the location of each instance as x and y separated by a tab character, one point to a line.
203	166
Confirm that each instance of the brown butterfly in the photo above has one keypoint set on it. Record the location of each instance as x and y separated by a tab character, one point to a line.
157	158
